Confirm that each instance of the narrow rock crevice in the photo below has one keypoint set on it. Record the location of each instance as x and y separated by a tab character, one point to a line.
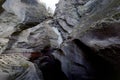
104	69
48	64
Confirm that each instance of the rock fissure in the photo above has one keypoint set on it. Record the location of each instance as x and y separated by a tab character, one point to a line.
81	41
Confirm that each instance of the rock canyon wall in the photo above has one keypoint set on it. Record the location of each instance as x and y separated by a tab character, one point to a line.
85	33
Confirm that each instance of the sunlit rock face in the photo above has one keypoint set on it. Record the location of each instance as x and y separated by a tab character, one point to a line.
8	24
16	67
26	10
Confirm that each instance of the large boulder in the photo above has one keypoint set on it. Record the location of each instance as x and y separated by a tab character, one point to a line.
34	38
26	10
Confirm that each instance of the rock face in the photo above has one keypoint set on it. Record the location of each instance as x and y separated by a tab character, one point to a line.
68	15
74	62
86	33
32	39
101	32
16	67
26	10
14	36
23	33
1	2
35	38
92	27
6	19
28	35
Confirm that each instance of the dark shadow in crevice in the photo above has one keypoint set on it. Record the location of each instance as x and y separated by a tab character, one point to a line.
104	70
48	64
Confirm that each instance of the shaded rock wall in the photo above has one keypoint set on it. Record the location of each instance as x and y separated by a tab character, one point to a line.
16	67
28	34
91	37
22	34
97	28
1	2
8	23
101	29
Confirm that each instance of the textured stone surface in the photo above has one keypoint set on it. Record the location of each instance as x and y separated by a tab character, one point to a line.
91	38
16	67
68	14
74	62
101	32
27	11
35	38
8	23
20	37
96	34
